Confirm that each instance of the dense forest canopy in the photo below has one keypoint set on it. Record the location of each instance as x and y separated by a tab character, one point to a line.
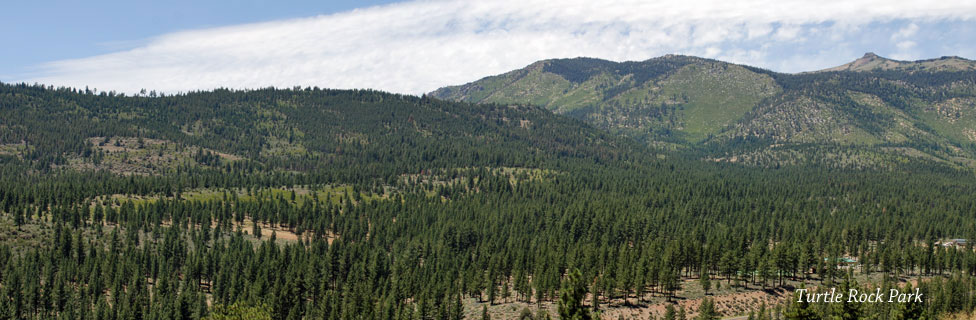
315	203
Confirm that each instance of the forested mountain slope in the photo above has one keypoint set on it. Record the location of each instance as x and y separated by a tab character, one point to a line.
673	98
871	113
302	130
335	204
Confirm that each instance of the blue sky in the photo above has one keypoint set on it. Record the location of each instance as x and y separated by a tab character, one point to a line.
41	31
416	46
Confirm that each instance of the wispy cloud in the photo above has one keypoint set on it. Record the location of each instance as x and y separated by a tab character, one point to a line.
418	46
903	42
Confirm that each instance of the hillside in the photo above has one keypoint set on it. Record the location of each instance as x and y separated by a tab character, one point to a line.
301	130
339	204
671	98
873	112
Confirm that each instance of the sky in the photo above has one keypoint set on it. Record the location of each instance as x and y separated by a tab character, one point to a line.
417	46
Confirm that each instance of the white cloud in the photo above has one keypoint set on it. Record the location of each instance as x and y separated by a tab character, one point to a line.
756	30
905	45
712	52
907	32
787	33
418	46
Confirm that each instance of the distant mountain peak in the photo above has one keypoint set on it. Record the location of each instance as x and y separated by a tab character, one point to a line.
869	58
690	96
873	62
749	115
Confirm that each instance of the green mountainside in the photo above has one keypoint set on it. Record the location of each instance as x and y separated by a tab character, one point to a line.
870	113
668	97
310	203
303	130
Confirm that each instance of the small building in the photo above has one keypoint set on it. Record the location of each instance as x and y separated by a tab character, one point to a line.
844	261
955	243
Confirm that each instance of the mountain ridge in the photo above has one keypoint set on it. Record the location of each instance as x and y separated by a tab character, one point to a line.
876	108
289	130
873	62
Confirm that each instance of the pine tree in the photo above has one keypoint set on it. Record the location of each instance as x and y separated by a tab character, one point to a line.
571	298
484	313
669	312
707	310
847	309
706	284
762	314
594	297
799	308
457	310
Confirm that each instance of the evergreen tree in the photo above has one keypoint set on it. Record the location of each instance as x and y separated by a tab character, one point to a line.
669	312
705	282
571	297
707	310
800	308
484	313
